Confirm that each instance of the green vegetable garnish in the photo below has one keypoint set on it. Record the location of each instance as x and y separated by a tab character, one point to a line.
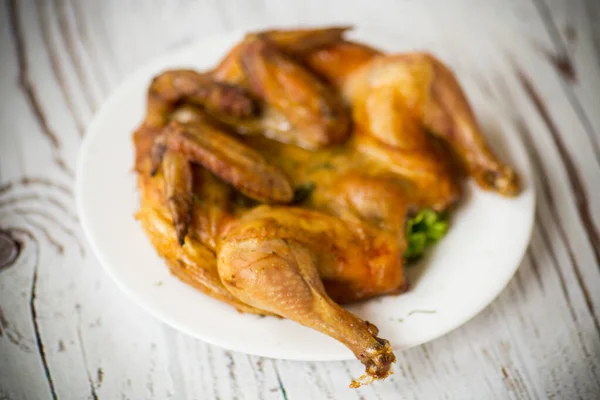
303	192
422	231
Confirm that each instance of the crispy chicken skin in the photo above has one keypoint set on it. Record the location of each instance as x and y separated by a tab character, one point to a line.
396	96
280	182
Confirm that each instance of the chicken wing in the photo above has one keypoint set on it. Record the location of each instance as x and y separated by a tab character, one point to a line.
178	178
312	108
298	107
232	161
170	88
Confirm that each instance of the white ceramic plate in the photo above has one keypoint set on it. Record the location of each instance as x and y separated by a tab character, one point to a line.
463	274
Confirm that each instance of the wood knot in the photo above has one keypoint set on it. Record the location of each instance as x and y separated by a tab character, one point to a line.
10	248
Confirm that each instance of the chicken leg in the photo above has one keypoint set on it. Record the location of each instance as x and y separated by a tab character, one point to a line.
281	276
447	114
418	87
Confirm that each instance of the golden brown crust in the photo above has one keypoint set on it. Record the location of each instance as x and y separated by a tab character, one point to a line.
177	173
342	138
310	106
171	87
193	263
232	161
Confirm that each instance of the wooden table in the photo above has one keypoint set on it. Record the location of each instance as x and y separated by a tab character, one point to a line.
67	332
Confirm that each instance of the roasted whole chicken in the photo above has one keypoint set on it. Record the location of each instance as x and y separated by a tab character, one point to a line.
286	180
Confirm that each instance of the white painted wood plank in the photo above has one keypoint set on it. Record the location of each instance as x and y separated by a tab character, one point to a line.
576	54
19	356
65	286
537	340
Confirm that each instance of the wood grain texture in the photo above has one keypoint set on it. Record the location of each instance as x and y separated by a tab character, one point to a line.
67	332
